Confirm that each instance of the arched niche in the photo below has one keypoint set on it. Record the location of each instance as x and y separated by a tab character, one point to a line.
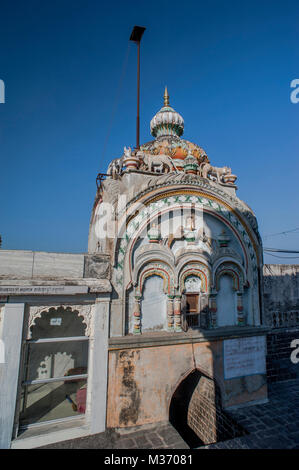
153	303
229	288
56	322
153	285
226	301
56	358
188	268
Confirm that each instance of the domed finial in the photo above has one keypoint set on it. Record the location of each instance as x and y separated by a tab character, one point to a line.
167	121
166	97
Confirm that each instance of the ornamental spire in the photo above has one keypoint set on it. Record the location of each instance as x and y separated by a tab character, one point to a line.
166	97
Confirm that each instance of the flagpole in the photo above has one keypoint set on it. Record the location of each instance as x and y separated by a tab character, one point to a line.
136	36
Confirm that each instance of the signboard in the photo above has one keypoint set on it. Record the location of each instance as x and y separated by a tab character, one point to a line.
55	321
3	299
42	290
244	356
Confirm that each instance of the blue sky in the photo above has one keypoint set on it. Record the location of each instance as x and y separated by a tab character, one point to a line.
70	77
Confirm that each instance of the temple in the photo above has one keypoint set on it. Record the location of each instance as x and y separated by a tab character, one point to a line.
162	318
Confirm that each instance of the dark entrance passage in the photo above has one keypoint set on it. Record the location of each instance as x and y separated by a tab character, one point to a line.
196	412
178	411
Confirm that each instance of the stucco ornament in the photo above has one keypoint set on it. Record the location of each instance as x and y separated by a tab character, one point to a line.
157	163
192	284
220	173
84	311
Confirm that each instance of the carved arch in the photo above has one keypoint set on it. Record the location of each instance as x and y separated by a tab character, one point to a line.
84	311
197	268
233	270
157	268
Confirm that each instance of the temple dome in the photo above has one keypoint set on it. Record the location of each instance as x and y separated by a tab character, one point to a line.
167	126
167	121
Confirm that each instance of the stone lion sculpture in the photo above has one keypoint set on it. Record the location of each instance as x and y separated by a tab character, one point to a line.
208	170
157	163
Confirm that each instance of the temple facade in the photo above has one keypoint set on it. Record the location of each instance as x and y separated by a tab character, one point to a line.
166	304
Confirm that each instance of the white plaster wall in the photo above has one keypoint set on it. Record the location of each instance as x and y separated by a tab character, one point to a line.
58	264
27	264
16	263
153	305
11	334
98	366
226	302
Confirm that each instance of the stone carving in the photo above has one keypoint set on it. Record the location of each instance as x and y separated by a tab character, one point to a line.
157	163
85	311
36	312
209	170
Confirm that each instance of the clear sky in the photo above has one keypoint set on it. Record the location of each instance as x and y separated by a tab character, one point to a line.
70	78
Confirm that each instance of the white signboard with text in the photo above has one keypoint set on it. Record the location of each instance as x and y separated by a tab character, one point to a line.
244	356
42	290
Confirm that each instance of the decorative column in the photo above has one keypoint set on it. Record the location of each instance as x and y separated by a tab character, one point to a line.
136	314
177	313
240	310
170	317
213	311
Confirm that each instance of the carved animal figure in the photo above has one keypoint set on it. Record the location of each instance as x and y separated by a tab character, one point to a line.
157	162
209	170
127	152
115	168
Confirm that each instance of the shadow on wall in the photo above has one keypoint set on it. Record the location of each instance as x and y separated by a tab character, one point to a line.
196	412
281	295
281	313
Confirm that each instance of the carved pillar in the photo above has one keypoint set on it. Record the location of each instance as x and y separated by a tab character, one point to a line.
240	310
137	320
213	311
170	317
177	313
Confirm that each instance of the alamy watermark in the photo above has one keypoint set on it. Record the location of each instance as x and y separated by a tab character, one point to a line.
111	220
2	91
295	353
294	97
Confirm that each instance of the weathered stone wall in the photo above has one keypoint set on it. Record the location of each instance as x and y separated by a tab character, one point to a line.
281	313
206	416
281	295
143	378
19	264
